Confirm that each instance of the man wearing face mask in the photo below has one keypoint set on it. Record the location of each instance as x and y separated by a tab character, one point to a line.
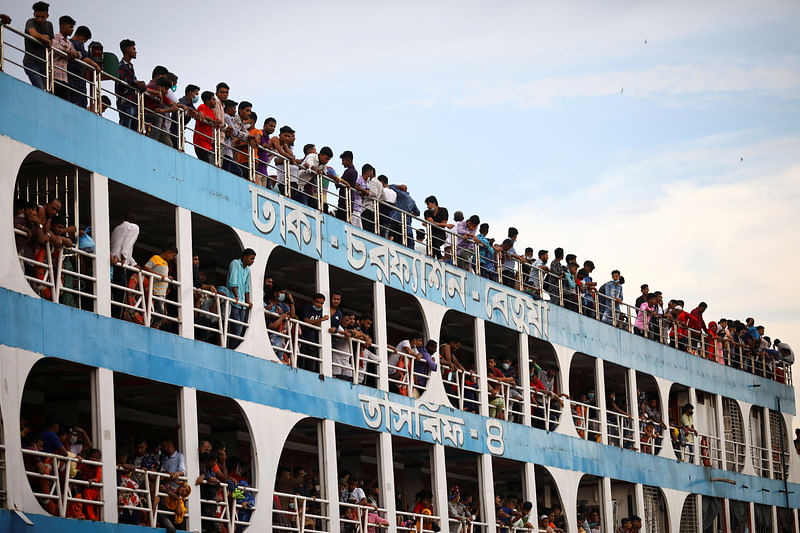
279	308
312	315
191	95
76	440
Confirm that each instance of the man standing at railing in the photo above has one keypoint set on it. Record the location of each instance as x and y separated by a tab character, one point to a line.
76	81
309	349
611	292
556	273
238	285
41	30
123	239
466	242
158	265
348	181
437	217
127	99
61	42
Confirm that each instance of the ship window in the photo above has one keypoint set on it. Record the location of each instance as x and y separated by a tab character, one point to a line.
758	442
56	418
648	400
681	443
590	502
358	459
624	500
689	516
222	427
654	517
356	296
300	464
763	516
547	492
505	399
214	245
735	449
583	394
780	445
713	515
130	298
508	483
739	516
463	478
56	268
460	329
413	481
620	428
785	520
547	412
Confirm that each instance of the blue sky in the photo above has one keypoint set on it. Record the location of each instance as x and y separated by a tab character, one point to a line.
676	160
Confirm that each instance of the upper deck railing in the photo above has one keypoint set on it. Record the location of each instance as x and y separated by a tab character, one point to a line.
267	168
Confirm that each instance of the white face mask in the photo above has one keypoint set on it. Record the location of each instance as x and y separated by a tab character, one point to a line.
73	439
506	366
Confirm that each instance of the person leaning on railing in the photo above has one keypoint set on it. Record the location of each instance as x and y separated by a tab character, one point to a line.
128	87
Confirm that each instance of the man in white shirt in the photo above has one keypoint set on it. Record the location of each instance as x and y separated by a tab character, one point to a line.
342	351
123	239
313	164
399	363
388	229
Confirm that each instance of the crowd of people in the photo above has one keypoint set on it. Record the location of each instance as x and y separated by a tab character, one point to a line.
462	241
150	478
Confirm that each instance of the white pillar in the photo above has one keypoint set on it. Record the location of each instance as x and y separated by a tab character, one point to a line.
480	366
638	494
330	471
101	233
663	401
105	438
720	414
774	518
633	390
696	447
189	440
600	374
525	379
323	287
486	477
386	479
607	506
183	240
439	484
379	325
529	488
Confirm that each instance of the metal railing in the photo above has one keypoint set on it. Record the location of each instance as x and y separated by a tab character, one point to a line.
213	321
227	507
302	512
58	488
292	347
587	420
353	362
365	517
620	430
55	274
462	388
419	523
735	455
146	497
761	460
468	525
139	304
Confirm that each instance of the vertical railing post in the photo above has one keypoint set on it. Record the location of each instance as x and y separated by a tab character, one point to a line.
561	292
287	179
320	195
348	201
251	163
2	47
403	221
49	67
140	112
181	130
376	206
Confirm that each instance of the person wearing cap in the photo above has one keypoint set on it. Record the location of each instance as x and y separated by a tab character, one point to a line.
458	512
687	429
544	524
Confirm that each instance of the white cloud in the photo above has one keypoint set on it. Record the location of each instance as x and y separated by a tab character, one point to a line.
656	82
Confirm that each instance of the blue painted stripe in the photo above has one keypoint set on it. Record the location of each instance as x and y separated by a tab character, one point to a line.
71	334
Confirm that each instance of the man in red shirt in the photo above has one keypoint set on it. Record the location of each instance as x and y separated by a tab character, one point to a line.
203	129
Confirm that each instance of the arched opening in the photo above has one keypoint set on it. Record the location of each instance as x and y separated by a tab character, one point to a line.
548	496
214	247
52	206
58	439
705	422
502	366
780	445
458	364
758	442
739	516
417	505
620	408
464	485
683	441
546	397
655	518
404	321
226	452
509	493
143	227
150	462
296	341
735	449
583	403
355	358
590	508
652	425
300	492
358	460
689	515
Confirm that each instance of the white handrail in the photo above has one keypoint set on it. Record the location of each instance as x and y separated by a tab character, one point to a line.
61	483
